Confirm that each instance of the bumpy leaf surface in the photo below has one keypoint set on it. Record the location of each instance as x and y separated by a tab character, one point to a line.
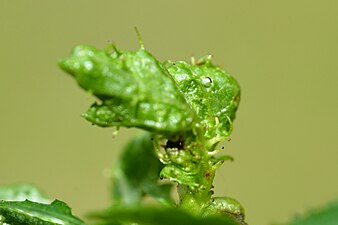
135	90
213	94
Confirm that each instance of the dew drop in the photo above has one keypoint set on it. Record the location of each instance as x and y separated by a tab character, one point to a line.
207	81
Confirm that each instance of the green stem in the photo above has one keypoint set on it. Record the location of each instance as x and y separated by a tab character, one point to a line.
196	200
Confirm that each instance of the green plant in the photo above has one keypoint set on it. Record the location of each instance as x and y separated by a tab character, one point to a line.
185	109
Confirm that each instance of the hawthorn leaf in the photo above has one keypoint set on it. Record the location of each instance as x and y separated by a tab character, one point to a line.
211	92
134	88
33	213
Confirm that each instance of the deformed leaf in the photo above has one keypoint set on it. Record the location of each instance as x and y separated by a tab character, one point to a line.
160	216
135	90
21	192
212	93
137	172
33	213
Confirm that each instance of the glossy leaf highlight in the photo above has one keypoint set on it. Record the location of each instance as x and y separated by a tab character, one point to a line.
33	213
21	192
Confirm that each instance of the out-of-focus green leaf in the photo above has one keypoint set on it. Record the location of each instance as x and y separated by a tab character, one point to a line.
33	213
135	90
325	216
159	216
212	93
137	172
21	192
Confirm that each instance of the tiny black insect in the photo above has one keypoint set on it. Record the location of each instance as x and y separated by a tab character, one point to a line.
175	144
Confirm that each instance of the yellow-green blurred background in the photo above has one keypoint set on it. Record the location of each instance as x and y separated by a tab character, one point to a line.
283	53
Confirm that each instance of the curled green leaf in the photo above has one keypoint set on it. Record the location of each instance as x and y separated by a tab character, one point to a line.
134	88
212	93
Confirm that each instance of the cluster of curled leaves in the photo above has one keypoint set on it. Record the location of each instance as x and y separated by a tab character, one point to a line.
136	90
170	99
